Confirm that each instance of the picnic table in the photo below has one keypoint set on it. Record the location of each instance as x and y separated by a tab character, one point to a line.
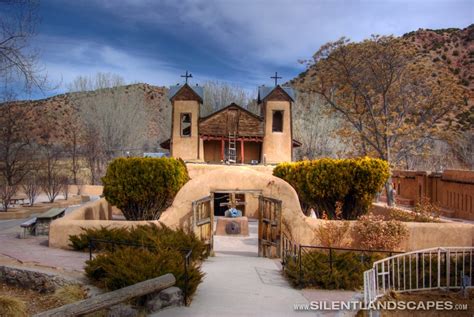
44	220
14	200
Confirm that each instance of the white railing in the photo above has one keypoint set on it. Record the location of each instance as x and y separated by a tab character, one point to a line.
436	268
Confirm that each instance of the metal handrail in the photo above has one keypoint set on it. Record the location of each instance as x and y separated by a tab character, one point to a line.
296	251
426	269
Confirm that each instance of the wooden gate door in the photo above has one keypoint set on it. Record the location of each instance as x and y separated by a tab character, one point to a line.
203	220
269	227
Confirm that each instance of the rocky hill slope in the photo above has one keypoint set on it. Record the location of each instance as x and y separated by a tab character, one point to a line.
61	111
451	48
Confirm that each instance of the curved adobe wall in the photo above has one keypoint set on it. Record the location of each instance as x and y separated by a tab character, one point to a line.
300	229
237	178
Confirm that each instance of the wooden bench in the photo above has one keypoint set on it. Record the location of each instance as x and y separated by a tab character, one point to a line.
43	221
28	226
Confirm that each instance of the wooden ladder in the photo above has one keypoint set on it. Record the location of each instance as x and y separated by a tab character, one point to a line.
232	154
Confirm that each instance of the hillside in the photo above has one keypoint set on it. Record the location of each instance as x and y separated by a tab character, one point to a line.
60	110
452	48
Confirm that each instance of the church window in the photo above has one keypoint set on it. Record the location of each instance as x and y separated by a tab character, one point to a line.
277	122
186	124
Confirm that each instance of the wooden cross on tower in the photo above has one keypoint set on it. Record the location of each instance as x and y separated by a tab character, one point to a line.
233	203
276	77
187	76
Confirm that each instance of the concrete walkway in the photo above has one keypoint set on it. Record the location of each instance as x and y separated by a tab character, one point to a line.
239	283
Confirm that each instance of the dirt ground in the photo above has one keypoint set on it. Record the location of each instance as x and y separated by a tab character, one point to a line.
19	212
35	302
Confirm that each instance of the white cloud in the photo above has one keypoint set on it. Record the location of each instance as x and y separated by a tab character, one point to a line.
283	31
64	59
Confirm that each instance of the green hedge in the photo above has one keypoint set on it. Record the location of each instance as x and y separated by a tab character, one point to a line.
154	236
117	266
347	269
143	187
322	183
127	266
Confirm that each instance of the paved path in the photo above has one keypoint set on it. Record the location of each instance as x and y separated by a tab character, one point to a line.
34	250
239	283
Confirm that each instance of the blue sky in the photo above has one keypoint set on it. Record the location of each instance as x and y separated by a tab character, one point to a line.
240	42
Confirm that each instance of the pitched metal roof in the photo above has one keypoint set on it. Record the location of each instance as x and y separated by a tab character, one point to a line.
264	91
176	88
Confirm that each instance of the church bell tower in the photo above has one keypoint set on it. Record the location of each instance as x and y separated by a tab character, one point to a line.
276	103
186	101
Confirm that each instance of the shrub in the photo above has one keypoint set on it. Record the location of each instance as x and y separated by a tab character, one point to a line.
426	207
347	269
424	211
374	233
333	233
113	270
408	216
12	307
322	183
153	236
143	187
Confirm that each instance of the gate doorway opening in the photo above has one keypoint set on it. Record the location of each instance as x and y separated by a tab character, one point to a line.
264	222
226	200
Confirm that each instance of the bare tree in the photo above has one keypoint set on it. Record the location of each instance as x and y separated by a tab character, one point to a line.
465	148
16	147
52	178
31	187
15	143
18	61
75	145
97	82
316	128
115	121
219	94
6	194
93	152
65	186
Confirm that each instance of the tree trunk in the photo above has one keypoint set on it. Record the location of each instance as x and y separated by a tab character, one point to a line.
389	191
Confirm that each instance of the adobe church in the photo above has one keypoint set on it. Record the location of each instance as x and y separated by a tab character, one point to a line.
232	134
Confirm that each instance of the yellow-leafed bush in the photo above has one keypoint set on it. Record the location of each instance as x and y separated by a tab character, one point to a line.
322	183
143	187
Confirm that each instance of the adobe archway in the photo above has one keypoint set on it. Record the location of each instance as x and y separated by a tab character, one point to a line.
239	178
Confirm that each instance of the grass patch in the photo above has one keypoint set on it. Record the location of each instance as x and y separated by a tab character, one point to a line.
12	307
69	294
